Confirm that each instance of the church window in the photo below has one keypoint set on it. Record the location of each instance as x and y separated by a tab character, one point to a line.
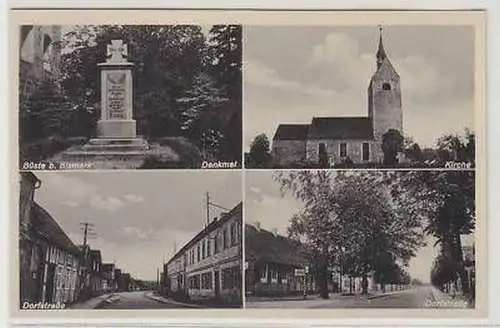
366	151
343	149
386	86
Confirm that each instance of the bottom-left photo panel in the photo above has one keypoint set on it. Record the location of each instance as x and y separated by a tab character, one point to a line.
130	240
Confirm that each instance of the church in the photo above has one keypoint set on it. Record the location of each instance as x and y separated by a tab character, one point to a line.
340	139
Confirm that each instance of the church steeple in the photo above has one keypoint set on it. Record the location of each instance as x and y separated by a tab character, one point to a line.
381	55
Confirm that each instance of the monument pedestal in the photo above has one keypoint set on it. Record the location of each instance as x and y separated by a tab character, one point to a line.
116	129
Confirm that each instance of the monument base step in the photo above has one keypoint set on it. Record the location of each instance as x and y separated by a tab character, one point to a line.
110	147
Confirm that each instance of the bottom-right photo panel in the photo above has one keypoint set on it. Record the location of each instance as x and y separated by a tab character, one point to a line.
359	239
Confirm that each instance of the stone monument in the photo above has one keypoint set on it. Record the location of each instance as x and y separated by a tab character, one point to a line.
116	128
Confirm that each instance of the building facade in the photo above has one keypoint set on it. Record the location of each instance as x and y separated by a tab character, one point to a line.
40	56
275	265
208	268
328	141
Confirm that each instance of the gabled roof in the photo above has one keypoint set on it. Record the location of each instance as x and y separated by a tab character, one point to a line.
291	132
263	245
46	227
341	128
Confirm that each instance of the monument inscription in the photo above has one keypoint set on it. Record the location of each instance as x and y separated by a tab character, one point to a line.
116	91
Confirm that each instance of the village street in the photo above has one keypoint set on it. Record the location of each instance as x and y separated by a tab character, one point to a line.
417	297
137	300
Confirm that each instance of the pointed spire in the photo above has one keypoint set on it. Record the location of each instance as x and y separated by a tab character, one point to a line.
381	55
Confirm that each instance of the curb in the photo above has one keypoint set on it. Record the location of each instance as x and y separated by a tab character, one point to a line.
167	301
384	295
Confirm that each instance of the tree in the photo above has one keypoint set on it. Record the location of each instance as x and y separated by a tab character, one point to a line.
44	114
412	150
453	147
353	213
200	109
224	57
447	199
392	144
167	60
259	154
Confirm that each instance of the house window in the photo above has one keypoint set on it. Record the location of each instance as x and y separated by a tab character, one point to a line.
225	241
216	244
203	249
343	149
231	278
198	252
366	151
386	86
234	234
209	251
206	280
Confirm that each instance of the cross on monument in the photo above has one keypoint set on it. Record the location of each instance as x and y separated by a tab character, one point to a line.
116	51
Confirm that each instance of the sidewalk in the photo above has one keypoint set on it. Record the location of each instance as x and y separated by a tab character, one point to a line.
92	303
316	297
162	299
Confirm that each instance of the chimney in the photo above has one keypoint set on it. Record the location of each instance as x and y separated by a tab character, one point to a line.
257	225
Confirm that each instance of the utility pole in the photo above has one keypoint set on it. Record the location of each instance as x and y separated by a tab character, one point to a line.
208	209
87	232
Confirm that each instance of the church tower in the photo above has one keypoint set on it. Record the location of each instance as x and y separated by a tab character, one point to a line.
384	96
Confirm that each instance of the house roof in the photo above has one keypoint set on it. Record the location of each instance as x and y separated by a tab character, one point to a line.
95	254
107	267
45	226
264	246
236	211
341	128
291	132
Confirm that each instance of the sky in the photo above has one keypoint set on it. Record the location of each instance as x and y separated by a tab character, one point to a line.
139	218
292	73
272	209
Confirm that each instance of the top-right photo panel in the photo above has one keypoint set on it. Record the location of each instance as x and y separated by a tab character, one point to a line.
382	96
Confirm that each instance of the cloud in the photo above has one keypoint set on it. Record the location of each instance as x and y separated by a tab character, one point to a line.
106	203
133	198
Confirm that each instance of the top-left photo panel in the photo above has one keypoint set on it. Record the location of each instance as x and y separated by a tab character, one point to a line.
97	97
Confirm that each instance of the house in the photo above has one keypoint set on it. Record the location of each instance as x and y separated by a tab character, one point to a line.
208	268
274	264
328	141
55	258
49	261
109	279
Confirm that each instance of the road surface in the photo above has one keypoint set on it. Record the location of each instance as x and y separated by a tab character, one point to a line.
136	300
418	297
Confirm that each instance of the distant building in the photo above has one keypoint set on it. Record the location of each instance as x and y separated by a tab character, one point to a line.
275	265
208	268
40	56
333	140
109	279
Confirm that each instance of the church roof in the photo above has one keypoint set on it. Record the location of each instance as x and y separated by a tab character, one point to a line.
341	128
291	132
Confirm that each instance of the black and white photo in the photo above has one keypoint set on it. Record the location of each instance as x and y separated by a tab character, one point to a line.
359	96
117	240
362	239
129	97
